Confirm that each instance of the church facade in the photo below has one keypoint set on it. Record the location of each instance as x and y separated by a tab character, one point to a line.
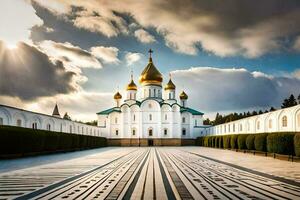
150	114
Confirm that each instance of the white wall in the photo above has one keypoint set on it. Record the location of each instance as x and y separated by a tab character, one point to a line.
264	123
11	116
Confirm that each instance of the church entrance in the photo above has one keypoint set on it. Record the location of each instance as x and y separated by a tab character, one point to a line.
150	142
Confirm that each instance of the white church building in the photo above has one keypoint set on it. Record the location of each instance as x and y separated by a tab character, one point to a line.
150	114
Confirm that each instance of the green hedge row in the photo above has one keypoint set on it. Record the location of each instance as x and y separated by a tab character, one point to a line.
16	140
281	143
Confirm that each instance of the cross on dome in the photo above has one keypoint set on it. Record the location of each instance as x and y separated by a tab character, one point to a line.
150	52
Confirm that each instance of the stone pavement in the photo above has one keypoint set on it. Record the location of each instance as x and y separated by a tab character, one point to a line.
156	173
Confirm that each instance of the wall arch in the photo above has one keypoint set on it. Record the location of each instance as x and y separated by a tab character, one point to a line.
6	116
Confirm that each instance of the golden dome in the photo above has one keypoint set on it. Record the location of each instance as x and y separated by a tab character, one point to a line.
131	85
170	85
118	96
183	96
151	75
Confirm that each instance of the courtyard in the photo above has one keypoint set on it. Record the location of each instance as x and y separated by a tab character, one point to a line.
150	173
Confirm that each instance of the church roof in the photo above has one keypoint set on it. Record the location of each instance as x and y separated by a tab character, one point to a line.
190	110
170	85
55	111
108	111
150	74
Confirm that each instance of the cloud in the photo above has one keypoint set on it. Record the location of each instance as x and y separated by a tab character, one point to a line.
132	58
218	27
28	73
70	54
79	105
17	19
107	54
143	36
214	89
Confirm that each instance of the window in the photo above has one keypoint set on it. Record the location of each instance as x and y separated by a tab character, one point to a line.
248	126
228	127
19	122
233	127
225	128
48	127
133	117
154	93
183	131
150	117
241	127
196	122
117	132
149	93
82	130
150	132
87	130
165	131
270	123
133	132
70	128
258	125
34	125
166	117
169	95
1	121
284	121
130	96
150	105
78	129
116	120
183	120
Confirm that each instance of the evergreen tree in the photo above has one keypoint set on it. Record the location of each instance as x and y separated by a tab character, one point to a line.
260	112
289	102
298	99
272	109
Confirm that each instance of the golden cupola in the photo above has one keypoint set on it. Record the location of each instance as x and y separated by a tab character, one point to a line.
131	85
118	96
170	85
151	75
183	96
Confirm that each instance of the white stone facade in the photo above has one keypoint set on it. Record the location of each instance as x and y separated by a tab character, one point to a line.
17	117
283	120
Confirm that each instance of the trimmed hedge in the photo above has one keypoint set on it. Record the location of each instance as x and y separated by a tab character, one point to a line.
260	142
22	141
297	144
250	142
241	141
281	143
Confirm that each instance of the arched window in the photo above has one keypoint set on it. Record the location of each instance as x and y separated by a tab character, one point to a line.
241	127
183	131
133	131
34	125
82	130
116	120
196	122
1	121
169	95
48	127
133	117
87	130
284	121
150	117
165	131
166	117
117	132
19	122
248	126
70	128
150	105
224	128
149	93
233	127
228	127
258	125
183	120
154	93
270	123
150	132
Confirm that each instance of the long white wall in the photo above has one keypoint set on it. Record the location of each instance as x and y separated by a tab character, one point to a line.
17	117
283	120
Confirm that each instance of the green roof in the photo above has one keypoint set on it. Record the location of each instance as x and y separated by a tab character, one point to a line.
192	111
108	111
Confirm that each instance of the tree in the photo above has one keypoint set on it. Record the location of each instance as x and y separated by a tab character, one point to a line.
289	102
298	99
207	122
272	109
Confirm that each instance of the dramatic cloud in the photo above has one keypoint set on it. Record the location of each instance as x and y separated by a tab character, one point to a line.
17	18
28	73
132	58
143	36
251	28
70	54
217	89
106	54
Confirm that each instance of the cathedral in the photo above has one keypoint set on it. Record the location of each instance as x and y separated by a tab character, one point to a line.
154	117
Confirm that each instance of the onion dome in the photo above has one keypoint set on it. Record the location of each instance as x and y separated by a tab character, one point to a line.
67	117
170	85
183	96
131	85
118	96
151	75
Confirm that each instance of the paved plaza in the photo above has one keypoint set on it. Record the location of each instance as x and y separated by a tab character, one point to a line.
153	173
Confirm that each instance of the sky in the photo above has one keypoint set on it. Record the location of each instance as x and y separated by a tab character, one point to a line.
228	56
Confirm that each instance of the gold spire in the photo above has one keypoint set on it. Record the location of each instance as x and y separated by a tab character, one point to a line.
170	85
183	96
131	85
150	74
